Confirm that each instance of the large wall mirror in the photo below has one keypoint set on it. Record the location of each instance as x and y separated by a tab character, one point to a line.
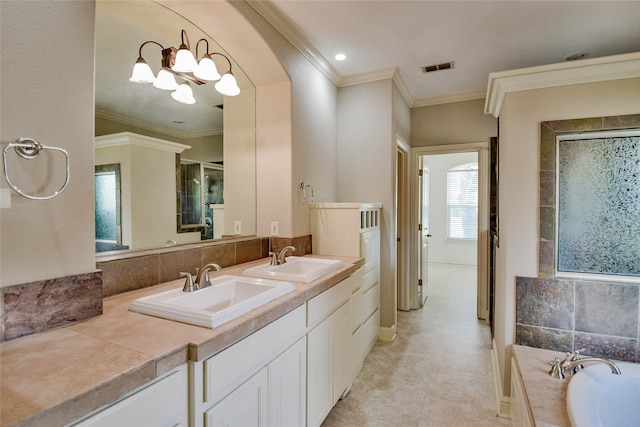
186	171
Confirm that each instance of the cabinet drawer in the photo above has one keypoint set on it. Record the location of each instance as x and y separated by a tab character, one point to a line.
370	278
319	307
370	301
357	307
356	279
234	365
370	333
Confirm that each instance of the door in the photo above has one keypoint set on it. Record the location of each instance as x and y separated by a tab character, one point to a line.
423	230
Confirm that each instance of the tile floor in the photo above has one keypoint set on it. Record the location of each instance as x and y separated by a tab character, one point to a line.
437	372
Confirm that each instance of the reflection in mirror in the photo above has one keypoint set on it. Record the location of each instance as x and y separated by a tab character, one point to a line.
200	198
107	206
149	191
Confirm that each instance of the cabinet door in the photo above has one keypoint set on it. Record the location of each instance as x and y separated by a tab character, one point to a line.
288	387
245	406
319	372
342	348
162	403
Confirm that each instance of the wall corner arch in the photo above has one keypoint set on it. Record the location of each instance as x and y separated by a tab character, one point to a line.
234	27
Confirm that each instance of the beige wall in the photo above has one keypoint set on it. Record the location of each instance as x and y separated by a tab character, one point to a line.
520	119
54	105
370	117
452	123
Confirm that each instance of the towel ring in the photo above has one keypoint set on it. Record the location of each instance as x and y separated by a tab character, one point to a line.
28	148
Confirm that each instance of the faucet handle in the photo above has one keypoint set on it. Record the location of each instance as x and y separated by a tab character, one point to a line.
556	368
274	258
189	286
572	358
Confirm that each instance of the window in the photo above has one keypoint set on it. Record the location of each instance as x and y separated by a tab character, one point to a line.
462	202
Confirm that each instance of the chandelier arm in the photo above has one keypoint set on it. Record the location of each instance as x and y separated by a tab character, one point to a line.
183	36
198	43
148	41
225	57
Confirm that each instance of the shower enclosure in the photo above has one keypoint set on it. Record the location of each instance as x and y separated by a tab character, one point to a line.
201	192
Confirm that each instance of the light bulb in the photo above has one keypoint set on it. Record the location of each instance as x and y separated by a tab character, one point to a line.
165	80
185	62
142	72
228	85
184	94
207	69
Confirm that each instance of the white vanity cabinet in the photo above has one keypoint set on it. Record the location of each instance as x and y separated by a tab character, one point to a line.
258	381
162	402
329	362
520	413
353	229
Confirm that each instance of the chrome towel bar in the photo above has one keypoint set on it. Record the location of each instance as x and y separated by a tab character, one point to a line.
28	148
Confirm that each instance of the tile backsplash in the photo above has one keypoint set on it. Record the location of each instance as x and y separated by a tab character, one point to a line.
599	318
38	306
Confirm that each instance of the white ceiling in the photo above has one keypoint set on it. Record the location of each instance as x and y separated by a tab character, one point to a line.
479	36
378	36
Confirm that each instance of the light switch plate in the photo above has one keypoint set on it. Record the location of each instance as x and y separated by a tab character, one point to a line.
274	228
237	227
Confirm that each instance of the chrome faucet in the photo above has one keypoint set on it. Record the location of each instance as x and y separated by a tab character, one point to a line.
280	258
189	286
573	363
202	280
283	253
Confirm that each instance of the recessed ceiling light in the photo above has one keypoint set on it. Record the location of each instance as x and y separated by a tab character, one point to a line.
340	57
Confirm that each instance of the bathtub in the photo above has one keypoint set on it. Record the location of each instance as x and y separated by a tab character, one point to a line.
598	398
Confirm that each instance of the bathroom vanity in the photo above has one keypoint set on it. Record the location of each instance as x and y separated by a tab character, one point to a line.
284	363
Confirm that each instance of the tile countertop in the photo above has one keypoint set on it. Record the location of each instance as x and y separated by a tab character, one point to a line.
546	395
55	377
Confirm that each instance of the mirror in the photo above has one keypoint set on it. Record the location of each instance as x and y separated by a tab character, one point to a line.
152	138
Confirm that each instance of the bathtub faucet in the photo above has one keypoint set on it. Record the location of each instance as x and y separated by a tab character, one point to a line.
573	363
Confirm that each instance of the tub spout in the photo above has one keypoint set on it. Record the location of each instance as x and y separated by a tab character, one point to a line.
570	365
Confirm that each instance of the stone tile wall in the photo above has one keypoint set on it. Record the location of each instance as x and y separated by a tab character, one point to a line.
38	306
599	318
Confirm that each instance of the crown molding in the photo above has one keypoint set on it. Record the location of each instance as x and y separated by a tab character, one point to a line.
446	99
282	25
154	128
562	74
130	138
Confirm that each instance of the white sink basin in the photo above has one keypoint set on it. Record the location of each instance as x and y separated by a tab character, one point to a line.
228	297
596	397
297	269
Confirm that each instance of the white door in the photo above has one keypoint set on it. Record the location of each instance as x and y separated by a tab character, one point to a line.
423	230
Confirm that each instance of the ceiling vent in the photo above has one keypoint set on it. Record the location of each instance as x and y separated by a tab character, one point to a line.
437	67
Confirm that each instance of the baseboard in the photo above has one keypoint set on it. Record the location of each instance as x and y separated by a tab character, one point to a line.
387	334
503	403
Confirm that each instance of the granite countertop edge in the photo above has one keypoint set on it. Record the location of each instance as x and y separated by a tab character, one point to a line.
195	343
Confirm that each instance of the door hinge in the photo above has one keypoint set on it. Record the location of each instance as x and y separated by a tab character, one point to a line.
419	227
420	172
419	282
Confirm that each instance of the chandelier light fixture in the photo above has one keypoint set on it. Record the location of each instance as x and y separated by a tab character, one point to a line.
180	63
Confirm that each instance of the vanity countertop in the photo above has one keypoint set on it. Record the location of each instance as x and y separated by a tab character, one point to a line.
54	377
546	395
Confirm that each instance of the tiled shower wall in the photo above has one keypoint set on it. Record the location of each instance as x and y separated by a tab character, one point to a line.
599	318
38	306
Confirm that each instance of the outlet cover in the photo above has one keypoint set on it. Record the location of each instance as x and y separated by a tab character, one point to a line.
274	228
237	227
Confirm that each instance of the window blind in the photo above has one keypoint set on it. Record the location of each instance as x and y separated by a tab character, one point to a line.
462	202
